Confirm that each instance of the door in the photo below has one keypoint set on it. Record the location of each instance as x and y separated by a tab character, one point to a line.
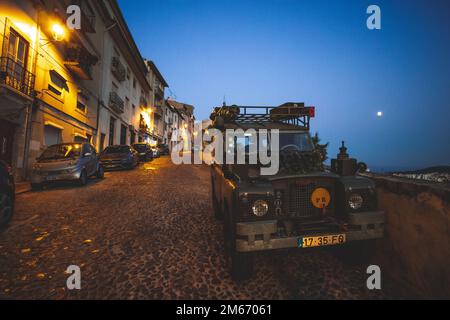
87	159
112	130
6	141
17	60
123	134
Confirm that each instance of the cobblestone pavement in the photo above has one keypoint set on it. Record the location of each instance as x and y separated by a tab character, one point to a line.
149	233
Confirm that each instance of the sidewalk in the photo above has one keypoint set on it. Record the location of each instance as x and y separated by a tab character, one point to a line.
22	187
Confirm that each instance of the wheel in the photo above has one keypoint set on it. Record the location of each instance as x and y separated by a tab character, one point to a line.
100	172
241	264
83	178
36	186
6	209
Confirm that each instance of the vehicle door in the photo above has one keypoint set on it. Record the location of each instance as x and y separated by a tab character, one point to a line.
95	159
86	159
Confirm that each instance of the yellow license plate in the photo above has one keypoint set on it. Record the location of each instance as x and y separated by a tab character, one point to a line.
320	241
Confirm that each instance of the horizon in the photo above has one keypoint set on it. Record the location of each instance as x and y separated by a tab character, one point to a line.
320	53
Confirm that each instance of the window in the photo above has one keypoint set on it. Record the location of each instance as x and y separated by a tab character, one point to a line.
18	52
58	80
134	83
52	135
82	103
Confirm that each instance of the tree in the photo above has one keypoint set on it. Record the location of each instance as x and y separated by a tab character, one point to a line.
322	148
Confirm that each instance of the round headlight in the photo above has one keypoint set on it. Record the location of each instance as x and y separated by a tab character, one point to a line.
260	208
355	201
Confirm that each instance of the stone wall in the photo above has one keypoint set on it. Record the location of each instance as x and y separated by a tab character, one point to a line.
416	247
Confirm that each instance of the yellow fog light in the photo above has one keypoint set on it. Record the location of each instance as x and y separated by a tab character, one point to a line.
321	198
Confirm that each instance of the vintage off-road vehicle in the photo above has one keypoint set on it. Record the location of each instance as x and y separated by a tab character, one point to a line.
304	205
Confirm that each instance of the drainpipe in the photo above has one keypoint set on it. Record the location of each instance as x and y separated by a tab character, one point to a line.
29	107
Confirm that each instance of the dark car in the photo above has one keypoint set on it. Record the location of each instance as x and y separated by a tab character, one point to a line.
144	150
301	206
7	194
66	162
163	149
119	157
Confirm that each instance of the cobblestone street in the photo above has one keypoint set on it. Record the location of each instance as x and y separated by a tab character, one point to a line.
149	233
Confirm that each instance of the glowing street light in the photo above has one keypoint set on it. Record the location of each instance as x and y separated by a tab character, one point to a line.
58	32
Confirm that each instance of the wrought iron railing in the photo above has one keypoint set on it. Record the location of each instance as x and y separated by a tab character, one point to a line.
116	103
16	76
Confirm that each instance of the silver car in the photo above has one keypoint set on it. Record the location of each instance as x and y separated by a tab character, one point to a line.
66	162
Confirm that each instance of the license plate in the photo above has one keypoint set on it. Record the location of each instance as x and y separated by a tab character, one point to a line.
52	178
320	241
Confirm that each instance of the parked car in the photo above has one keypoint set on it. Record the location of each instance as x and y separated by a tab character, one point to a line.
301	206
119	157
7	194
66	162
163	149
144	150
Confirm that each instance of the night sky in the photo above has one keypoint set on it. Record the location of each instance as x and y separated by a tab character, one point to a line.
319	52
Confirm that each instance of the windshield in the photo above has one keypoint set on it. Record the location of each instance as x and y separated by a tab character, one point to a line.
116	149
300	141
61	151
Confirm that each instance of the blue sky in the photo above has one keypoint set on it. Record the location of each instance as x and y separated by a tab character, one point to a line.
320	52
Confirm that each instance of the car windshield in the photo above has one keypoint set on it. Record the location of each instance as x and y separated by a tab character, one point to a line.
300	141
140	147
116	149
61	151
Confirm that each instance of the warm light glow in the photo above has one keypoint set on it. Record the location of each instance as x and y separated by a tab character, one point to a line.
58	32
185	126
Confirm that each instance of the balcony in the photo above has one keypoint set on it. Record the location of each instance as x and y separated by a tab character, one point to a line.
15	76
159	94
118	70
116	103
80	62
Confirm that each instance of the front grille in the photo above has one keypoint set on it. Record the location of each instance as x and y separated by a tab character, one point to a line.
299	201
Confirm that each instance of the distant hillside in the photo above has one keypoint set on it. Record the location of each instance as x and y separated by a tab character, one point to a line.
436	169
440	174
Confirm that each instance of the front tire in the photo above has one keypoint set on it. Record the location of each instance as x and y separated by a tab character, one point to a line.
6	209
100	172
241	264
83	178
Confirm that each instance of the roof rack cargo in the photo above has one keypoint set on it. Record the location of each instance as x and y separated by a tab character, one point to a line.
293	113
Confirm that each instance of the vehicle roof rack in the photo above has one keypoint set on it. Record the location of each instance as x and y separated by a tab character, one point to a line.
292	113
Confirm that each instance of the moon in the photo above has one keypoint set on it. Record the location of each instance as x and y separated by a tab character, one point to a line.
379	114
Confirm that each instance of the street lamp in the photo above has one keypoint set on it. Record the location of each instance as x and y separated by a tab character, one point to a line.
58	32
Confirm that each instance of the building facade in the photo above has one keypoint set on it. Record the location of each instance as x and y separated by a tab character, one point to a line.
59	84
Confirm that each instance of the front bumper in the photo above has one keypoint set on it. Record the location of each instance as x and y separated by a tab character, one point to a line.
116	165
49	177
260	236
